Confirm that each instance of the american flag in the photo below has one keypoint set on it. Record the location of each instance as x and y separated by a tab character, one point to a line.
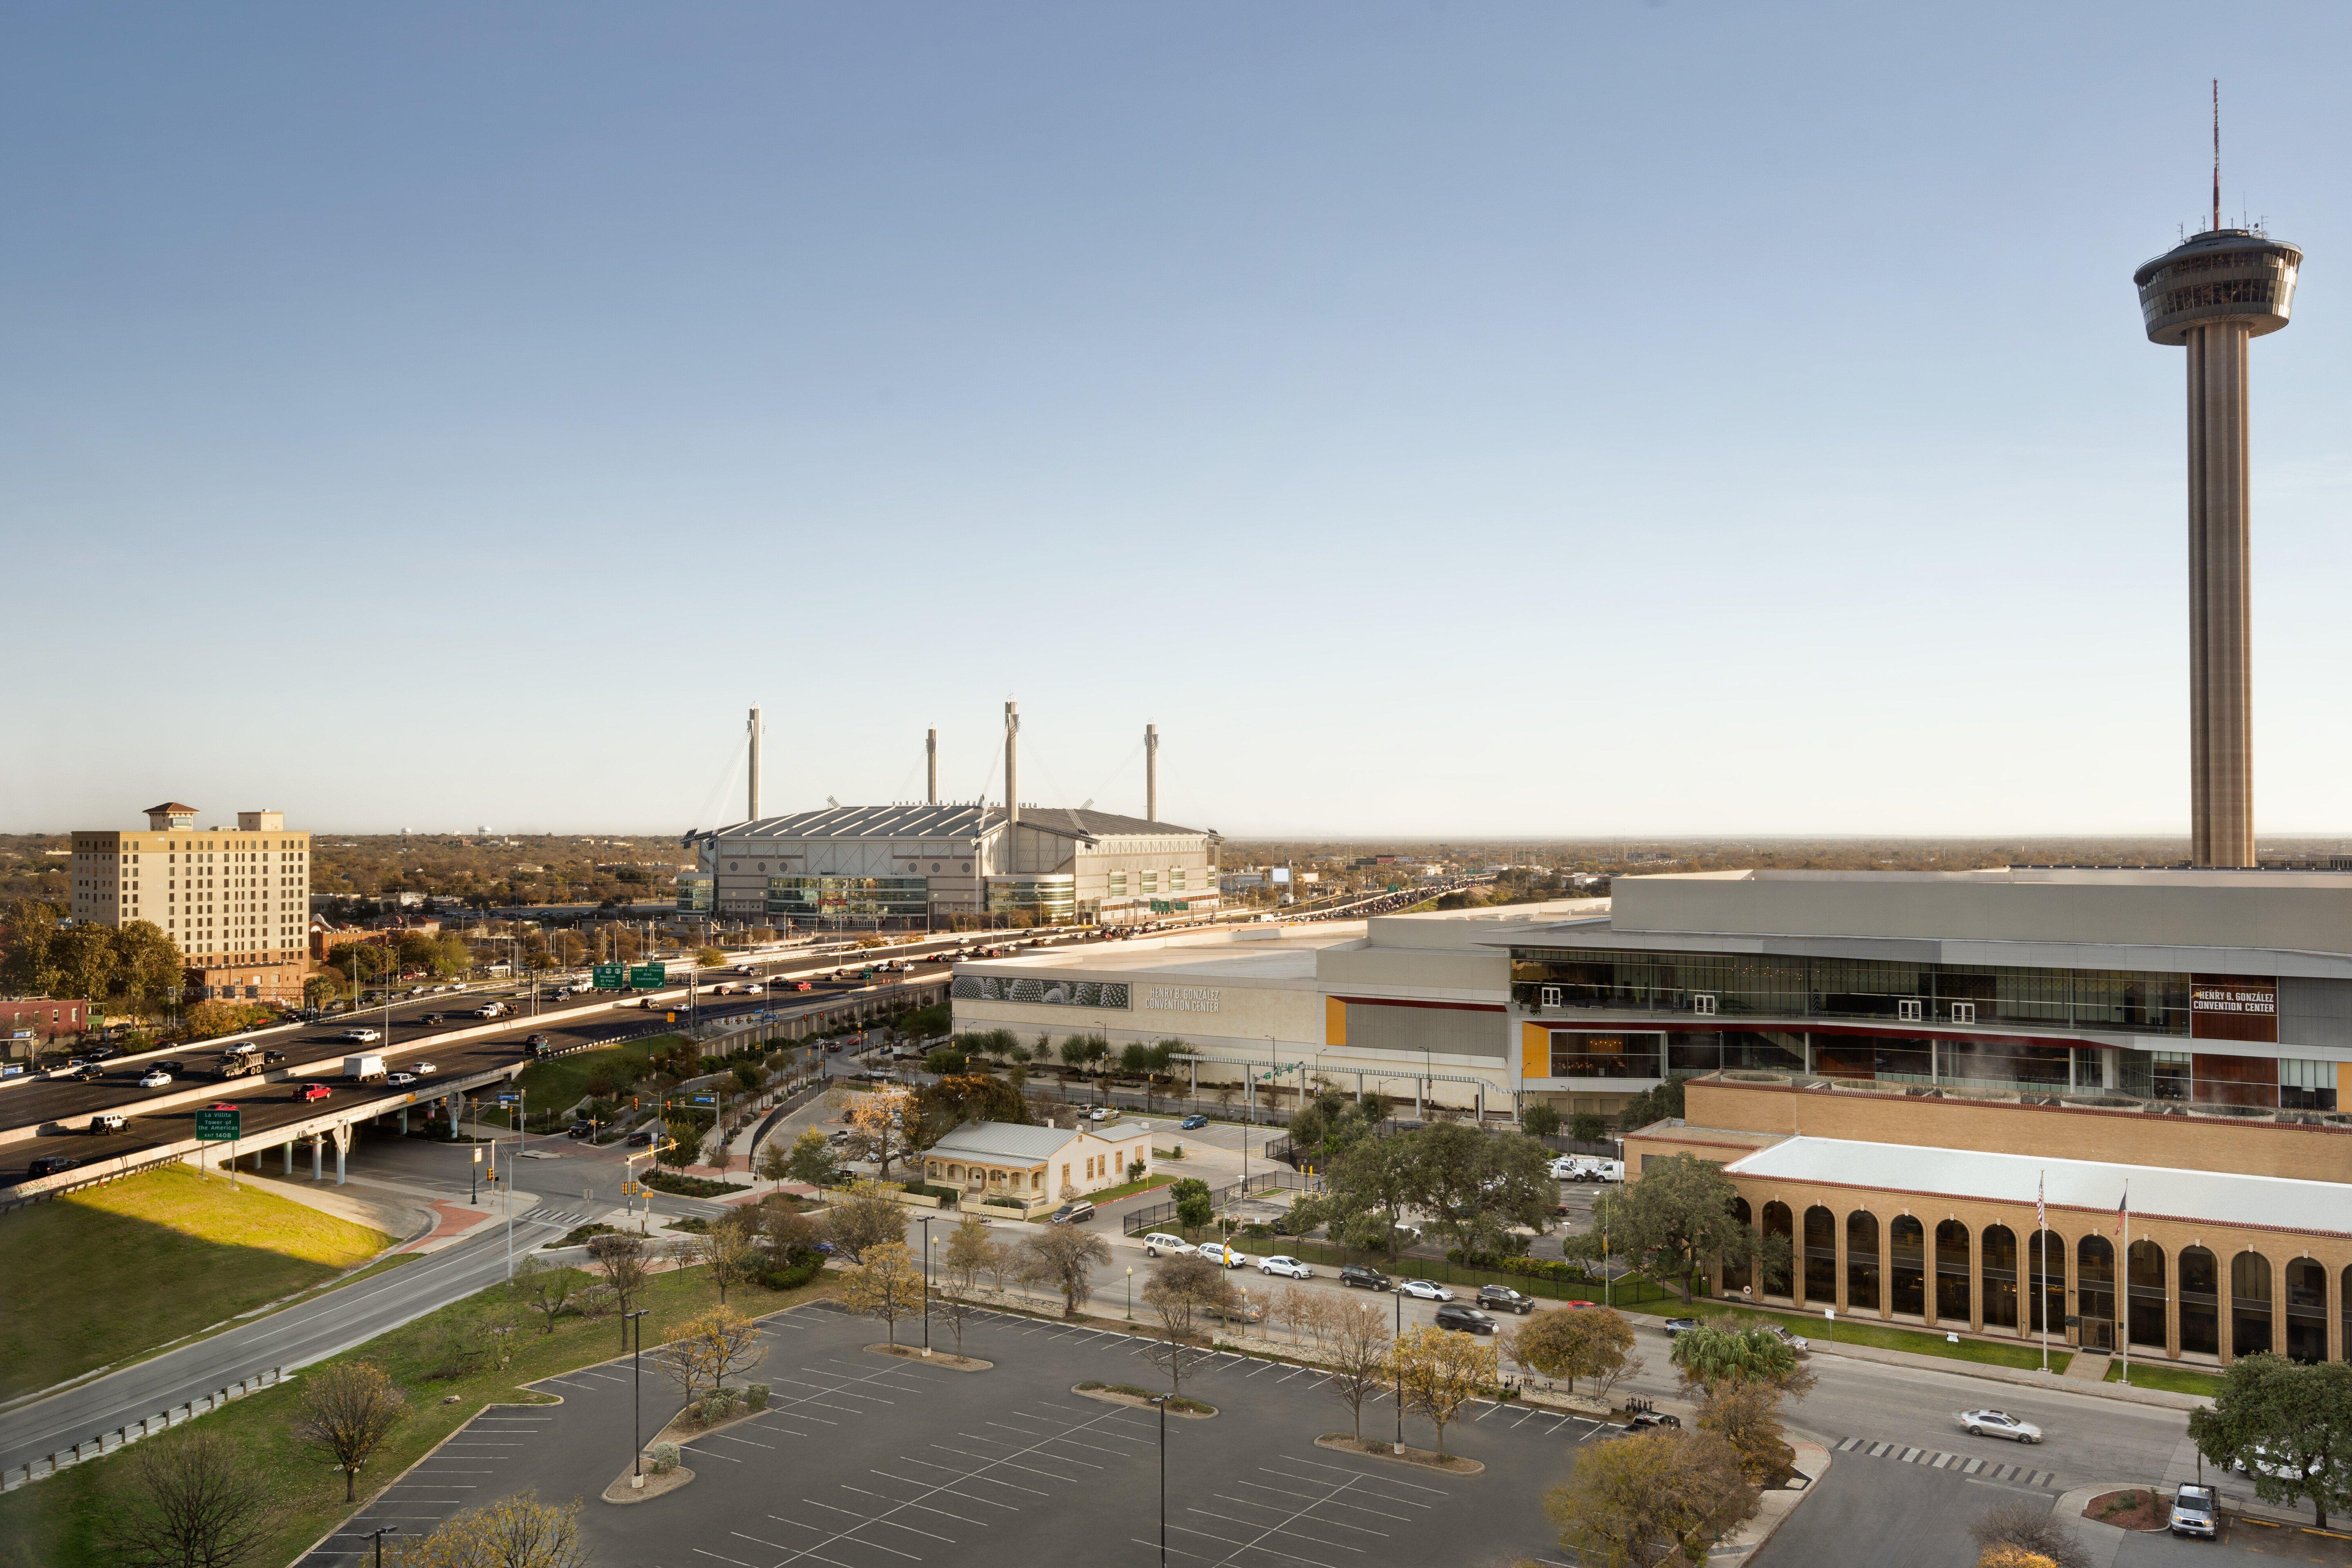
2122	1208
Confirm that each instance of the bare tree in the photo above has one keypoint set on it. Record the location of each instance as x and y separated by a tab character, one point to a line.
730	1248
197	1503
1061	1256
546	1288
702	1353
627	1262
518	1532
1183	1292
348	1409
888	1285
868	1216
1356	1349
2030	1528
1003	1263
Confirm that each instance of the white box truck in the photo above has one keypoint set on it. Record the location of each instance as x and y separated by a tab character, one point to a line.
363	1070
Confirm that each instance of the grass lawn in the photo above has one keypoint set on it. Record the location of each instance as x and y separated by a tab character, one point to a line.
54	1523
1883	1336
99	1277
1111	1195
2176	1379
561	1083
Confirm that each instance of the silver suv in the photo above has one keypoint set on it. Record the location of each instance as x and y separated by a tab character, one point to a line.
2193	1510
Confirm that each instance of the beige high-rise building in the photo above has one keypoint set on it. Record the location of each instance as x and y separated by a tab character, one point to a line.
236	901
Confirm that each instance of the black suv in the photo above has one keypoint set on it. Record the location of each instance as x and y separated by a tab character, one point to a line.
1503	1299
1365	1278
1466	1319
49	1165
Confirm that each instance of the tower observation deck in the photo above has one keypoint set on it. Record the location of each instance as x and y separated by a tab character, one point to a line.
2212	295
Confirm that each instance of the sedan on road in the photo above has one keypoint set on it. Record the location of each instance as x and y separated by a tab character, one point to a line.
423	1070
433	1018
154	1077
1681	1326
1999	1424
1422	1290
1190	1122
1465	1320
1288	1266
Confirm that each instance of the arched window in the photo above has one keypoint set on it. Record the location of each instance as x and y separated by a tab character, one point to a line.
1820	1257
2045	1265
1997	1277
1777	1222
2249	1304
2201	1304
1860	1261
2094	1292
2145	1267
1952	1272
1906	1274
1737	1276
2307	1310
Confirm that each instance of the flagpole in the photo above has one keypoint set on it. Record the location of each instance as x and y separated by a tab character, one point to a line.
2127	1284
2041	1267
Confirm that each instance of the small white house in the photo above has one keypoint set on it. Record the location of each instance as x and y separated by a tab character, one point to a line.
996	1159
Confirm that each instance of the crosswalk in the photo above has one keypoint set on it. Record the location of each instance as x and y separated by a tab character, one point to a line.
1978	1467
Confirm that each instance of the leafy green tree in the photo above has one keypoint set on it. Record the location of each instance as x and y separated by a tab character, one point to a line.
1714	1353
812	1159
1195	1209
1476	1185
1371	1182
959	1098
27	967
945	1060
85	957
1593	1342
2289	1425
1587	1127
1373	1107
1662	1103
1540	1121
1645	1501
1135	1060
1674	1217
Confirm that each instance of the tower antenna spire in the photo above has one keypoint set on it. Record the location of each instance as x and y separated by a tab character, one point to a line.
2217	153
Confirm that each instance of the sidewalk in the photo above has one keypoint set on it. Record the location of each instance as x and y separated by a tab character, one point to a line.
1773	1509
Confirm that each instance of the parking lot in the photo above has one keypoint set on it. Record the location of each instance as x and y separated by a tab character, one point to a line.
864	1461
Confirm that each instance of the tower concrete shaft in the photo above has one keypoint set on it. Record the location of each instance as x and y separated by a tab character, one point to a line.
751	812
2220	668
1151	773
2211	295
932	765
1012	766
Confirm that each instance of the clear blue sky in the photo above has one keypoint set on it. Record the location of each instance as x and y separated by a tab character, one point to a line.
1439	418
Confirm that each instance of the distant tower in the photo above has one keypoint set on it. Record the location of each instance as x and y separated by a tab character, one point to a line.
2211	295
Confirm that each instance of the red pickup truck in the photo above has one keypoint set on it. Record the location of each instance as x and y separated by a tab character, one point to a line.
313	1091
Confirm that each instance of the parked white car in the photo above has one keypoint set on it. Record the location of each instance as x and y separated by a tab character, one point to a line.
1422	1290
1288	1266
1231	1257
1999	1424
1160	1243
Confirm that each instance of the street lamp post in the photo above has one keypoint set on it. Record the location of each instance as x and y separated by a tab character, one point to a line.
1162	1403
926	1221
1399	1371
637	1419
377	1535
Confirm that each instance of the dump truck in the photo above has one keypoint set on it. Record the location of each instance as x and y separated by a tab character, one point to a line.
239	1059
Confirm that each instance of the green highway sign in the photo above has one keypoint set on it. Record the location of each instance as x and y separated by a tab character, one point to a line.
608	977
648	976
1181	906
1161	907
218	1126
